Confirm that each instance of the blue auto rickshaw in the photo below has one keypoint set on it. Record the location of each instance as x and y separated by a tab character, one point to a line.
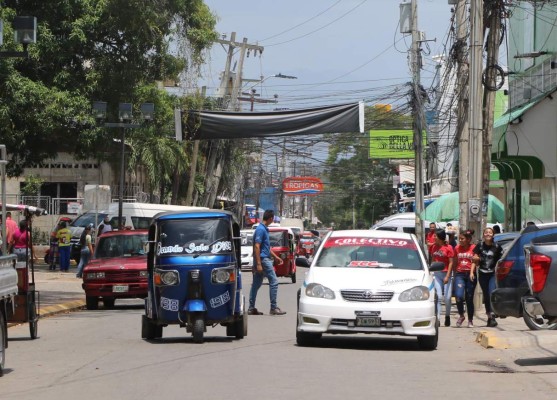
194	274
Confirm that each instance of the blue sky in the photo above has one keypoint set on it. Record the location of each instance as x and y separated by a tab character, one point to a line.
341	51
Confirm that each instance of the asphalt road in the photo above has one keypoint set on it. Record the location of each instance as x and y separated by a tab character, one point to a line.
99	354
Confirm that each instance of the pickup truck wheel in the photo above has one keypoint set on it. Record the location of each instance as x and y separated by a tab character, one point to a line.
538	323
92	302
3	341
108	302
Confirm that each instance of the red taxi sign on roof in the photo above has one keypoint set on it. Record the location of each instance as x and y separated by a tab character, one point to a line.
366	241
302	186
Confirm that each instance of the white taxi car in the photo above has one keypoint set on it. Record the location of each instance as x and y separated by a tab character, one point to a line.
369	281
247	248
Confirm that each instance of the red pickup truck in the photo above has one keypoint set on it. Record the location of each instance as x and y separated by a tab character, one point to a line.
117	270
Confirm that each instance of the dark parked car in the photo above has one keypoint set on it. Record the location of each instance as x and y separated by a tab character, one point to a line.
506	238
541	273
512	285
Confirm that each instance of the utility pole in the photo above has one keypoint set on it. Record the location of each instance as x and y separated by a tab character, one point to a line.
215	167
416	63
234	91
493	38
463	133
475	117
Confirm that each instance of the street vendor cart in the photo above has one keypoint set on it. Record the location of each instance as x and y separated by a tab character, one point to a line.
27	300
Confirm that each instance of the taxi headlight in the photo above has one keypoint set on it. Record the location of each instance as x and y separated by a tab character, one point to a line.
320	291
222	275
418	293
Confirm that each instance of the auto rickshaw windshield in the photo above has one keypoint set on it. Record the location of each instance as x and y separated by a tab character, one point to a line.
194	236
278	239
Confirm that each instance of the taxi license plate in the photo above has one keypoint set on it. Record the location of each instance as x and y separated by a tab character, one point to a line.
120	288
368	321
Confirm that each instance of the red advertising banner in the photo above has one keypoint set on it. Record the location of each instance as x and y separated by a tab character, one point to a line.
302	186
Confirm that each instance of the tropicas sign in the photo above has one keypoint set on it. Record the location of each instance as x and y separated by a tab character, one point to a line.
302	186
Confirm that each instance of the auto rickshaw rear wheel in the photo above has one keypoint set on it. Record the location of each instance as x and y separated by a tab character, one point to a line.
150	330
198	328
293	277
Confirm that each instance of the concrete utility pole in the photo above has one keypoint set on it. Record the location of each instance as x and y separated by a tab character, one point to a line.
475	117
493	38
416	62
463	133
233	91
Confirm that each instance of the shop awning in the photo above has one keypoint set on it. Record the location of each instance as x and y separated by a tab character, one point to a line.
500	125
518	167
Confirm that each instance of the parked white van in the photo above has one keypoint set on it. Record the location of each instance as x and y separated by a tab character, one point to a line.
401	222
134	215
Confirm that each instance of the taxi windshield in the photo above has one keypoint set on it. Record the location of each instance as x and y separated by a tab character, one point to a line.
369	253
194	237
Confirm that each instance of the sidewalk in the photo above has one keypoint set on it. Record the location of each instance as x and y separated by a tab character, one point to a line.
57	291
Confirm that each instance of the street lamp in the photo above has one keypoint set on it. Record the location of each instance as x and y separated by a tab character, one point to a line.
25	33
253	97
125	117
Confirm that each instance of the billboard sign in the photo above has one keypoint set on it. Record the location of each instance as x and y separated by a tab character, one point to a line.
302	186
395	143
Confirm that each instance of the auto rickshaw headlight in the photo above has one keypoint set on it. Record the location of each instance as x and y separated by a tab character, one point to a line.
143	274
223	275
283	256
168	278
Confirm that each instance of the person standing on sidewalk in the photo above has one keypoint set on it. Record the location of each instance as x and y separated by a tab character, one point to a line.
22	241
11	227
263	265
443	280
486	255
64	237
85	242
464	286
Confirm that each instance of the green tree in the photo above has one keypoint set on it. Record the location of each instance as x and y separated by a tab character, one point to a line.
87	50
357	185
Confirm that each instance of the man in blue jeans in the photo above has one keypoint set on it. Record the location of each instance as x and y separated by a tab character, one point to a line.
263	265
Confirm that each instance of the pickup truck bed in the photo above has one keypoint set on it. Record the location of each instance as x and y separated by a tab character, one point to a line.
541	273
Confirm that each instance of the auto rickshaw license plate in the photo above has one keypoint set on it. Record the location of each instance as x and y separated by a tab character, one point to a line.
120	288
368	321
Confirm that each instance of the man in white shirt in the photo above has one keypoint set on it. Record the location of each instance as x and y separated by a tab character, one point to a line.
104	226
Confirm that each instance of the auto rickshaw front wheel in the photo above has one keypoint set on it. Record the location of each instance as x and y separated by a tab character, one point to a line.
198	328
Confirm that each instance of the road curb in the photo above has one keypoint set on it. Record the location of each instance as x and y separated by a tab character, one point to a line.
56	309
513	340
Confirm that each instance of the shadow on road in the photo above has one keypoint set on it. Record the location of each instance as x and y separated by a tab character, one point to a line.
532	362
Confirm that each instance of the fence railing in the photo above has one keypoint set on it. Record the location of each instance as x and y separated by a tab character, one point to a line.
56	205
